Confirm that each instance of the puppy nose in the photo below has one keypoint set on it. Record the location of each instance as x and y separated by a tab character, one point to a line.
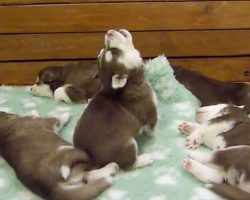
110	33
31	89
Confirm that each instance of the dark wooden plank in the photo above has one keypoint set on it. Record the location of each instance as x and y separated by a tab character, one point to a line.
133	16
229	69
88	45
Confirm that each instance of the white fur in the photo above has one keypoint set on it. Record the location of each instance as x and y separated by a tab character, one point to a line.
130	57
243	184
207	134
118	82
108	56
207	113
65	171
65	147
143	160
109	170
201	165
41	90
61	95
147	130
202	172
63	119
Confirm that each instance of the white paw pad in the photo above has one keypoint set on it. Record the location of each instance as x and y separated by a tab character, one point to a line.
192	143
186	164
186	128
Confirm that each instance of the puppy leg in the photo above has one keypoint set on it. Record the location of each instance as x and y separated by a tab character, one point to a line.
186	128
60	94
76	94
202	172
202	157
56	123
109	170
195	139
63	120
143	160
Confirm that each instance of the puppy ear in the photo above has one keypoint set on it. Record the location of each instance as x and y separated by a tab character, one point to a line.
119	81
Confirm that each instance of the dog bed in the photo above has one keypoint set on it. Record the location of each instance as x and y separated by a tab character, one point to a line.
164	180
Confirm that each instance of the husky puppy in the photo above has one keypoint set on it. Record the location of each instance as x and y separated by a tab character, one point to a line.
121	110
72	83
45	163
227	171
220	126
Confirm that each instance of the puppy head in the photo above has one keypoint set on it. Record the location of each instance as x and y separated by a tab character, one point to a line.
48	80
119	60
207	113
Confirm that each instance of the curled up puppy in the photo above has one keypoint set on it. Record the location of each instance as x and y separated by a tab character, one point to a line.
46	164
219	126
121	110
72	83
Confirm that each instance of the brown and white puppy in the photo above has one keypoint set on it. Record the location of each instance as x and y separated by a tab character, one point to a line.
72	83
219	126
227	170
45	163
124	107
211	91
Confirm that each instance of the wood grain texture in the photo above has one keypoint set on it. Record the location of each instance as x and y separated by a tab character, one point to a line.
88	45
228	69
133	16
32	2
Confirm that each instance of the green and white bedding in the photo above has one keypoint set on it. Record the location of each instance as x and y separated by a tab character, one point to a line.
164	180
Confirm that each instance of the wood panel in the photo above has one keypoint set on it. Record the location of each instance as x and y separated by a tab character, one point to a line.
88	45
133	16
31	2
229	69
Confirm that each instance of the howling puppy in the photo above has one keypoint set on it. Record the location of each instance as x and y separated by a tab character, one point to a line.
222	167
46	164
72	83
220	126
121	110
211	91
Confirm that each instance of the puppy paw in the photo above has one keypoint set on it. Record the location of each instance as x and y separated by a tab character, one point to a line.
186	164
112	168
186	128
143	160
192	143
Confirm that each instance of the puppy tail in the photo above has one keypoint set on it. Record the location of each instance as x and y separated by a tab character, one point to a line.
80	191
71	158
229	192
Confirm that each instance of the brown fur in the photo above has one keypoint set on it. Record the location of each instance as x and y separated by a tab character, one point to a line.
114	117
211	91
81	78
236	158
30	145
239	134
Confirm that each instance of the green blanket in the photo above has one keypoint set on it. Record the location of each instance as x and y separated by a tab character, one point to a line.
164	180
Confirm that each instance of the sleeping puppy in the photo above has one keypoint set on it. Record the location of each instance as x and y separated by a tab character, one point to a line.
227	170
211	91
72	83
46	164
221	126
124	107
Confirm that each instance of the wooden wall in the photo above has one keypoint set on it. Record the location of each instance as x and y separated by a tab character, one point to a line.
212	37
